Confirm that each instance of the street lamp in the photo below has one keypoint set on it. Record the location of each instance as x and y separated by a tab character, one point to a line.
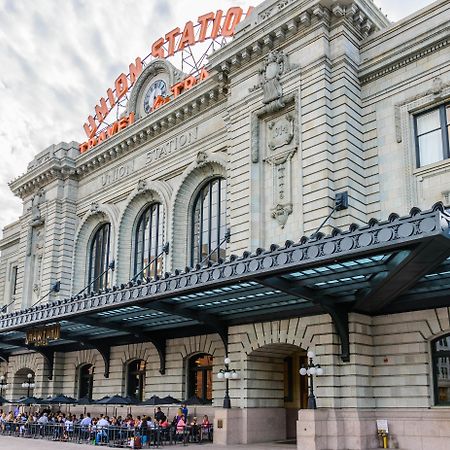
311	370
3	384
227	373
29	383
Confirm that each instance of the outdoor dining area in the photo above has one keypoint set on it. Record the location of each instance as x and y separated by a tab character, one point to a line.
163	421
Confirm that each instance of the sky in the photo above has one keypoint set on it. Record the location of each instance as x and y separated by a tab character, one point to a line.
57	58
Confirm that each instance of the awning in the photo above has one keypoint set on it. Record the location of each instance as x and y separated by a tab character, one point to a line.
398	265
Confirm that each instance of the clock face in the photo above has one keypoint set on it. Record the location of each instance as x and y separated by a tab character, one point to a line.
157	88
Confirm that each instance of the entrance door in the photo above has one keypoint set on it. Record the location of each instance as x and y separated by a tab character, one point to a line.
295	390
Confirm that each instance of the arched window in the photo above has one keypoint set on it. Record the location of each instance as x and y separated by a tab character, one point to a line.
441	370
99	258
85	381
209	222
149	241
136	379
200	376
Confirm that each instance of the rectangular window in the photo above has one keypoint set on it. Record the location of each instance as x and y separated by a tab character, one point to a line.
14	280
432	130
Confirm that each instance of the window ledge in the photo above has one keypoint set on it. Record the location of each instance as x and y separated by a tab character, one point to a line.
431	168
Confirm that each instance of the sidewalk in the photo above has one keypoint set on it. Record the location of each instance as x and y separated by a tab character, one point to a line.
14	443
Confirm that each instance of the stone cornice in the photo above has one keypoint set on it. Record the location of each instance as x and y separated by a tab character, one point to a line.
263	31
176	112
392	61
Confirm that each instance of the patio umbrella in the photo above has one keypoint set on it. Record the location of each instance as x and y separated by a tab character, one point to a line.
85	401
115	400
27	401
153	400
194	400
169	400
61	400
3	401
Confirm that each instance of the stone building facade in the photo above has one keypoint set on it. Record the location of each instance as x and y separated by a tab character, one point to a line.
310	99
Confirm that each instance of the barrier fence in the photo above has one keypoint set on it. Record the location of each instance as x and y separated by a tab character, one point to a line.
111	436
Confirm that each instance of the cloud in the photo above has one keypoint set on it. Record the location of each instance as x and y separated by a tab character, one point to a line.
58	59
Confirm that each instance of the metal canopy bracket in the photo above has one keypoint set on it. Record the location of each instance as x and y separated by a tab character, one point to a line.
338	313
49	358
105	352
160	345
339	316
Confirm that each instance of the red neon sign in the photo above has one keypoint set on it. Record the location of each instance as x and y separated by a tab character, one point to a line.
211	26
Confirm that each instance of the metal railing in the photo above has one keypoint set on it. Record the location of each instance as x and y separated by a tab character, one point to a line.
111	436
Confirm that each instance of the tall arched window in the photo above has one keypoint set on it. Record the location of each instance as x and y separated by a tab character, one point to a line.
85	381
209	222
441	369
136	379
99	258
200	376
149	241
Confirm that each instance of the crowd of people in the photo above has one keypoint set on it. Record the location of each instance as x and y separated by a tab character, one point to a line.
133	431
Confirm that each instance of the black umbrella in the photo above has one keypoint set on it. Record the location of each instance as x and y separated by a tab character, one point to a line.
194	400
169	400
153	400
3	400
61	400
27	401
84	401
115	400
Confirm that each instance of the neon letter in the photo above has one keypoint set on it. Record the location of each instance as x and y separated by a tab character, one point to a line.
231	20
91	127
170	37
187	37
135	70
157	48
204	21
121	86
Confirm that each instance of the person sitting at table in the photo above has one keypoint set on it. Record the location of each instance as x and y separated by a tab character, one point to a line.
102	425
184	410
159	415
181	425
195	430
205	428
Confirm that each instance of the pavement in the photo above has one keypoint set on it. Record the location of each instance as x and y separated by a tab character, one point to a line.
15	443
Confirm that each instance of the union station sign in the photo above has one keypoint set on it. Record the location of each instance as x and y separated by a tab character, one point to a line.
209	26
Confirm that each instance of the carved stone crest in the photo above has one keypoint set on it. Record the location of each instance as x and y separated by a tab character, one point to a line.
281	132
275	66
95	208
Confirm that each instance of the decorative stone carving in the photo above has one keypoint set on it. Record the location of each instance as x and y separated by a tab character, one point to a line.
95	208
280	134
276	65
36	216
142	185
201	157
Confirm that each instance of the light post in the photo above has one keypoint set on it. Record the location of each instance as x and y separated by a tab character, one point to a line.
3	384
310	370
29	383
227	373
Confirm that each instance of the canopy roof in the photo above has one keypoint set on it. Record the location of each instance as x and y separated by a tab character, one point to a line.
399	265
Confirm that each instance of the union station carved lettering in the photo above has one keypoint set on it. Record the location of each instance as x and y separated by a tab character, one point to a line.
172	145
117	173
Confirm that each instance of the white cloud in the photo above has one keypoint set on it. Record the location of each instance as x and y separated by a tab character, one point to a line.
58	58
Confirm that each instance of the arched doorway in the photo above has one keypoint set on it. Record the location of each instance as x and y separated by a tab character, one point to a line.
136	379
275	388
85	381
24	383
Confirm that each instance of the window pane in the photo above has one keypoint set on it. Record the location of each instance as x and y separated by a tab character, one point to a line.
209	222
430	148
428	122
443	380
99	259
448	114
149	242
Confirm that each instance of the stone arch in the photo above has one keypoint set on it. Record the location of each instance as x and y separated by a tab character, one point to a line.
196	174
146	192
95	217
301	332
